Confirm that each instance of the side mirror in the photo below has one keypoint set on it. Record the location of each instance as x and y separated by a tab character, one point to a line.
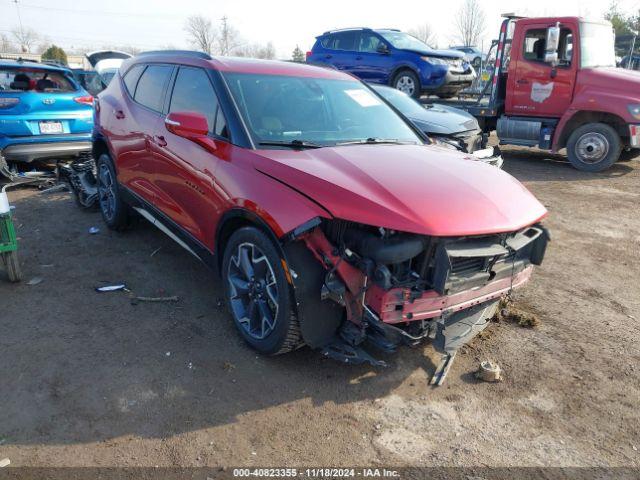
382	48
551	45
192	126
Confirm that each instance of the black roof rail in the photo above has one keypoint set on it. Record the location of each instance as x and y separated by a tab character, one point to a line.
346	29
190	53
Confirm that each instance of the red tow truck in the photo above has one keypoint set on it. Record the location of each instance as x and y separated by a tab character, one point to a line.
555	85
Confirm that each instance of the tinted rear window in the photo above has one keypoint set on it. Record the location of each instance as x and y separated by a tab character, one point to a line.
151	86
33	79
131	78
341	41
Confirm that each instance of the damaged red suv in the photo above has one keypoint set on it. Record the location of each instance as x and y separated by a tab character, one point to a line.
330	218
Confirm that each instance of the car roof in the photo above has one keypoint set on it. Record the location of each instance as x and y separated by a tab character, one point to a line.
4	62
238	64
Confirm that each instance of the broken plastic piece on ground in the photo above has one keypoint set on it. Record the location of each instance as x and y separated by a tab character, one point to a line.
173	298
111	288
489	372
4	462
94	230
61	187
443	369
35	281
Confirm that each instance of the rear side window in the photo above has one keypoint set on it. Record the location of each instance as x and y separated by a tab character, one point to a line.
341	41
131	78
193	92
151	86
34	80
369	43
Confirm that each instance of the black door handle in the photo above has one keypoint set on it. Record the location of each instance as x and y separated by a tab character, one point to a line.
328	56
358	57
522	81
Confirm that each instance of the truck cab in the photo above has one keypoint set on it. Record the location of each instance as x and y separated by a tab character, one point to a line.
555	85
563	90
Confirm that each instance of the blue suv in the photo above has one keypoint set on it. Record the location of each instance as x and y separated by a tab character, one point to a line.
394	58
44	113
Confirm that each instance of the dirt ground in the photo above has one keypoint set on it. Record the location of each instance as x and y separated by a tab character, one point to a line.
89	379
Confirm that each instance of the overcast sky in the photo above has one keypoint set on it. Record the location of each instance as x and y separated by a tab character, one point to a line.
152	24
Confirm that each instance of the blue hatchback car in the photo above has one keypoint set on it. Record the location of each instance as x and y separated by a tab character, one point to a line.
391	57
44	113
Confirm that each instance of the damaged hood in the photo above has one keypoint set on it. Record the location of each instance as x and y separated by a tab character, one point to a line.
411	188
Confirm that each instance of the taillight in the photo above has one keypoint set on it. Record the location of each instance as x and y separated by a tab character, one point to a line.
9	102
308	54
88	100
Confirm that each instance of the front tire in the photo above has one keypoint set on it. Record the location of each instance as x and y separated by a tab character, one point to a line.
406	81
257	292
115	212
11	263
594	147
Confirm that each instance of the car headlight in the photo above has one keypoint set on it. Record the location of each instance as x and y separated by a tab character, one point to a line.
434	60
445	143
634	110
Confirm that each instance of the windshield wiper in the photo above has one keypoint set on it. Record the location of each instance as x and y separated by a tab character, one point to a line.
291	143
375	141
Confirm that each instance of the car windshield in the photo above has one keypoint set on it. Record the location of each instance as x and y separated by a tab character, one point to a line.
403	40
317	111
403	102
597	45
33	79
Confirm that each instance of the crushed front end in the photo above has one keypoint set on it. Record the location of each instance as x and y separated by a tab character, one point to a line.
401	288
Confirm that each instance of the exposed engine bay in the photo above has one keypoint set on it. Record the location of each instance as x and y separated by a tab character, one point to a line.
401	288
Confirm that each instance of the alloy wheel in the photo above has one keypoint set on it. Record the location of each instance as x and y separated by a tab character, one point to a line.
253	291
106	191
406	84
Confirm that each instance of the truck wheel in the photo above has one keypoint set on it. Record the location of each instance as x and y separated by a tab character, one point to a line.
115	212
258	294
11	263
594	147
406	81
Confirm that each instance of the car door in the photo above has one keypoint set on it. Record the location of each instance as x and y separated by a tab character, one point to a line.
341	50
134	123
371	64
185	171
536	87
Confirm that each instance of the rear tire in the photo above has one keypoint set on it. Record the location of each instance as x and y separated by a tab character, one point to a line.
594	147
258	294
12	264
115	212
406	81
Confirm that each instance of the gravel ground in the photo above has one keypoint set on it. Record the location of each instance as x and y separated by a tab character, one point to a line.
88	379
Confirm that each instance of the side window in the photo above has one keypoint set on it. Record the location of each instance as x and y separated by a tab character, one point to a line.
565	47
534	44
193	92
344	40
369	43
151	86
131	78
221	125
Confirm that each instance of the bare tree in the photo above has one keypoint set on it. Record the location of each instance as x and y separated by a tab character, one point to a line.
425	33
229	39
201	33
5	44
256	50
470	23
26	38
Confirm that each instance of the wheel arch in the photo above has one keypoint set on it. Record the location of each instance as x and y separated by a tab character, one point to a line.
235	219
582	117
404	66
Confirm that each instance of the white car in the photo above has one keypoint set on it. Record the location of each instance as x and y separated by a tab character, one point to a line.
473	55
